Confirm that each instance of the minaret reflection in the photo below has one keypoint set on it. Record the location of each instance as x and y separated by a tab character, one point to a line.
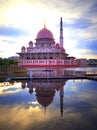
61	100
30	86
45	91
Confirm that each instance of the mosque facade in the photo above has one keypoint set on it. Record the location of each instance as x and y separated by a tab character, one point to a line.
46	53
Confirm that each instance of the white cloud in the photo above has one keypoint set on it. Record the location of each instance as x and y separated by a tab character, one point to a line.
30	15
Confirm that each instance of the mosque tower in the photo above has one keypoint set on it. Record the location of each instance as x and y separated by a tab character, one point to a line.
61	33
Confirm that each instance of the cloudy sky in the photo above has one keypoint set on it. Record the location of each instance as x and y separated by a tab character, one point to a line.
20	21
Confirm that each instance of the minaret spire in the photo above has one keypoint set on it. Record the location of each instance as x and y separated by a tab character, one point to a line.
61	32
44	24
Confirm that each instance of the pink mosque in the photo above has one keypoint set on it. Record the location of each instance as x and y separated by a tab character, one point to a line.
46	53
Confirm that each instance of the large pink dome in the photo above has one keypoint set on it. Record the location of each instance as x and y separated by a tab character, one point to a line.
44	33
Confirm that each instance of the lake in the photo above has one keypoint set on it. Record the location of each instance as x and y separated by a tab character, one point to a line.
49	104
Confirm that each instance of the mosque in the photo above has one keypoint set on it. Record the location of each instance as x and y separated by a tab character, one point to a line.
46	53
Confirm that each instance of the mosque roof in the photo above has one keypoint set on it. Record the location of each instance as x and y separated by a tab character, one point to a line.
45	33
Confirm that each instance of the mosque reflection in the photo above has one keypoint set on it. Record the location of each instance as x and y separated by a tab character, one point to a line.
45	91
53	72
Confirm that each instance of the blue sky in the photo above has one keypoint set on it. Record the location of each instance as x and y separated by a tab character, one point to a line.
20	21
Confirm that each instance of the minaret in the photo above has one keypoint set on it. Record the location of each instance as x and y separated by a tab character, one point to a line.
61	33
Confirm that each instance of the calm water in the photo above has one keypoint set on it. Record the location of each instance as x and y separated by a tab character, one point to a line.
48	104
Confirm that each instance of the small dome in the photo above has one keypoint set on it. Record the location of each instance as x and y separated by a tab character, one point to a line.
57	45
23	48
44	33
30	42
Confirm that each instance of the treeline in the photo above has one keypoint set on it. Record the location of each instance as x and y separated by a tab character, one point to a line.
7	61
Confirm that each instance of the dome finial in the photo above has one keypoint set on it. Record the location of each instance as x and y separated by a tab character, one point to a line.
44	24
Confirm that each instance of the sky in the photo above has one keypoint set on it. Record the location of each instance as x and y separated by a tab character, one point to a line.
21	20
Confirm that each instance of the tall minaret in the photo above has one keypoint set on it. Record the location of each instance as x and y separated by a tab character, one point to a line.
61	33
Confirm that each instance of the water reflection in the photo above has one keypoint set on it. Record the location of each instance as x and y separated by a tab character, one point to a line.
45	91
54	72
48	104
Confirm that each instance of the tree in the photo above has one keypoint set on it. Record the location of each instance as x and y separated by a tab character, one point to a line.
6	61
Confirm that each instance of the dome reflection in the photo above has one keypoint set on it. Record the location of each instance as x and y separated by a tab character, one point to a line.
45	91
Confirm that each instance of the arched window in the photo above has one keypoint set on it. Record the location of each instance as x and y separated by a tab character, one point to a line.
51	57
28	57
